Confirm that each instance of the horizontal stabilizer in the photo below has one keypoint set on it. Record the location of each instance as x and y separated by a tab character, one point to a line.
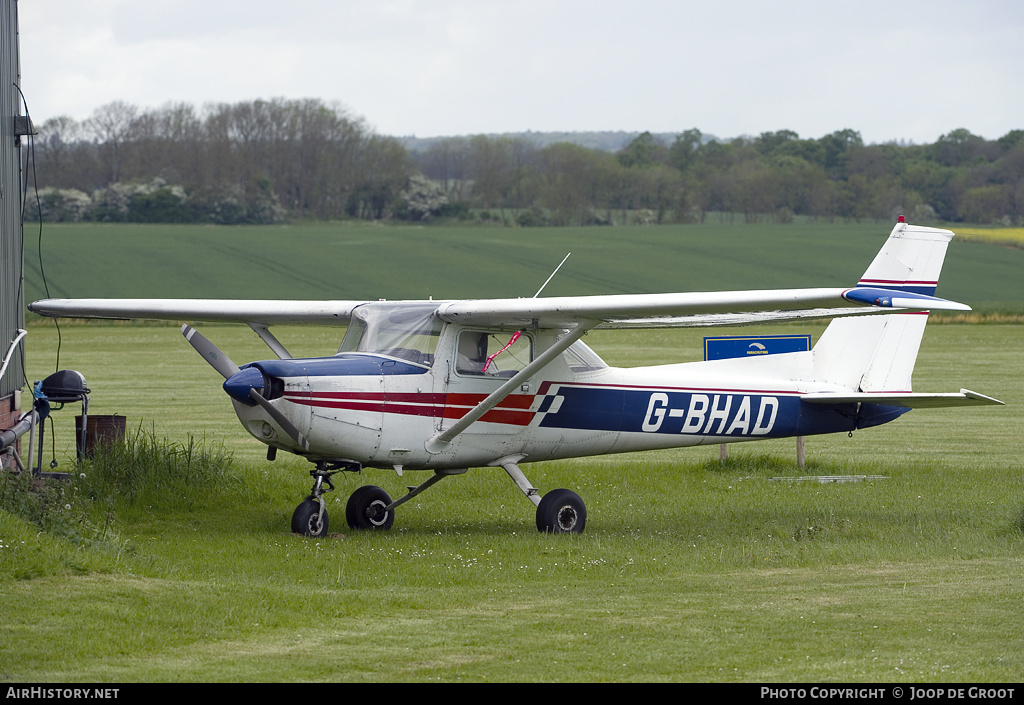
909	400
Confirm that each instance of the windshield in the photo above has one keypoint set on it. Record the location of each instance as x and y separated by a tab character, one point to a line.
404	330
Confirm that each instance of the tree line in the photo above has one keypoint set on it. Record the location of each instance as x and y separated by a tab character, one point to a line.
250	162
261	161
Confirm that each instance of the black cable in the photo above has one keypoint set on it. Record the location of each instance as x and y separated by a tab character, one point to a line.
39	241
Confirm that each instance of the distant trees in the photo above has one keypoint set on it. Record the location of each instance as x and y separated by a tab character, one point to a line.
423	199
258	161
248	162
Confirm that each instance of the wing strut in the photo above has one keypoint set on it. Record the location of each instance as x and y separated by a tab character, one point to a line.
273	343
442	439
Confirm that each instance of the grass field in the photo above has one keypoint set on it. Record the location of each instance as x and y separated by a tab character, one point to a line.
690	569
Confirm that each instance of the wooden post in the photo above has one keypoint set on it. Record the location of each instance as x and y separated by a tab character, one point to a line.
800	455
723	452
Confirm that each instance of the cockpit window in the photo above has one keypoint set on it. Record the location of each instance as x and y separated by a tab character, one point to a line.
492	354
406	331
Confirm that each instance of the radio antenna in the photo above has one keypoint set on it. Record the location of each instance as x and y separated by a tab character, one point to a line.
552	276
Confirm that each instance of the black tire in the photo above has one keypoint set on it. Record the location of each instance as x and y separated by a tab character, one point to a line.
561	512
306	519
365	509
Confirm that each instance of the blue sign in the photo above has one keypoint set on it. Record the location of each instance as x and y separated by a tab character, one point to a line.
742	346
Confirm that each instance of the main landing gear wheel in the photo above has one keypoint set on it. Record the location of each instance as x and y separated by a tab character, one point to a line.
367	509
308	519
561	512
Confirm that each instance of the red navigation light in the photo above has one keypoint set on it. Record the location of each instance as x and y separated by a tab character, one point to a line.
903	219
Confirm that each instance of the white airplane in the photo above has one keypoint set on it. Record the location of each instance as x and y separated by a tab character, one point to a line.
444	386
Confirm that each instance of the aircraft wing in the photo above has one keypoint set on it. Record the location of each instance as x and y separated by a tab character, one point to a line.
265	312
695	309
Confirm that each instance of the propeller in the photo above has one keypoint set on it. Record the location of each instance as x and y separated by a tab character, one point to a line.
210	352
240	384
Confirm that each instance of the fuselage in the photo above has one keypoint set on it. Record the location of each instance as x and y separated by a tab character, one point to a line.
378	409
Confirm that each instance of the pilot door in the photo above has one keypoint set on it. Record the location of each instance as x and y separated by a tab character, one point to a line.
483	361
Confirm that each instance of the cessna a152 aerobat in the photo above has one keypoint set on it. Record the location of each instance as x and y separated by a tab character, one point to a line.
445	386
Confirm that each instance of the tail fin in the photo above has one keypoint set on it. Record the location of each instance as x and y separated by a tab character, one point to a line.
877	353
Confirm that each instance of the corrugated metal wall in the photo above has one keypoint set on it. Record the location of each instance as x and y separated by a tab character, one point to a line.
12	304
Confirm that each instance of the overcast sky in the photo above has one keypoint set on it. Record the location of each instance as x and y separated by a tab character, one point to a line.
891	70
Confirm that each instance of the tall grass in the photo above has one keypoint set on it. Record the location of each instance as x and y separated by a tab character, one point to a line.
60	509
145	469
83	510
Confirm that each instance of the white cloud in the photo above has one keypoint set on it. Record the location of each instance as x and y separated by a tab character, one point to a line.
911	70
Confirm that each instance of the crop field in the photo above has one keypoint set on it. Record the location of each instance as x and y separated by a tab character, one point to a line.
1013	237
690	570
368	261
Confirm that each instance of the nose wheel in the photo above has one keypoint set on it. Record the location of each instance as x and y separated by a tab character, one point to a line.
310	517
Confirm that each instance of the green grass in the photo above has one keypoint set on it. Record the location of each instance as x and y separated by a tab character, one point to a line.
689	570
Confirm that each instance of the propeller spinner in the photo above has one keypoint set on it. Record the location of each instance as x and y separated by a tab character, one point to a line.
244	385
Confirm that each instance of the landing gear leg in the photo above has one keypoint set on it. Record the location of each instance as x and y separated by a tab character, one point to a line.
371	507
310	517
558	511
